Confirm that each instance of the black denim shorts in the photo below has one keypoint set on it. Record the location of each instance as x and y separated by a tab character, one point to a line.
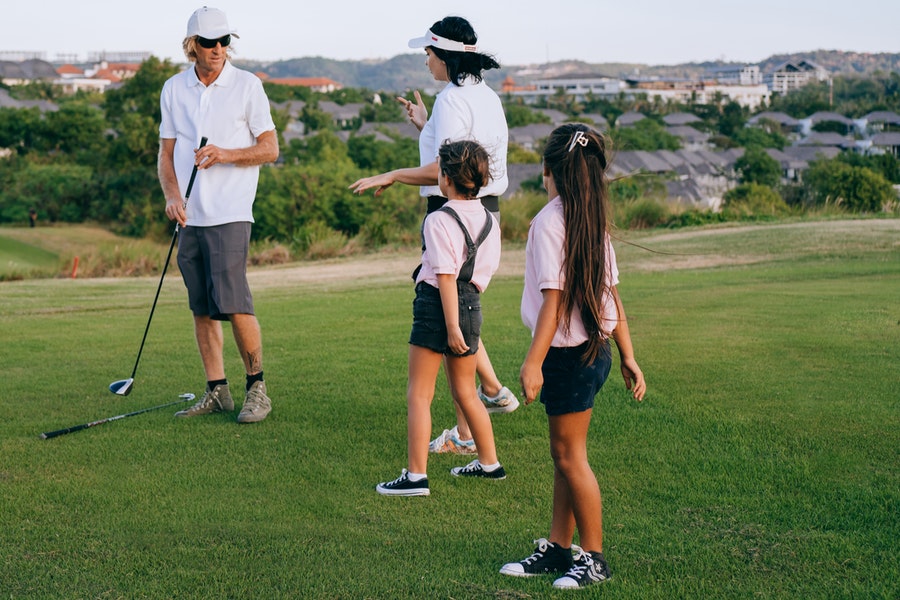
429	330
569	384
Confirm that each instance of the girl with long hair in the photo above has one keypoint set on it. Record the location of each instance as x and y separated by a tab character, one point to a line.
572	307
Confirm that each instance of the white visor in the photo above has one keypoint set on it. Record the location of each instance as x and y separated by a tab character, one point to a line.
432	39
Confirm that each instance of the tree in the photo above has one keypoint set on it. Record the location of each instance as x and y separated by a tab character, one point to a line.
19	127
756	166
646	134
59	192
732	119
857	189
759	137
519	115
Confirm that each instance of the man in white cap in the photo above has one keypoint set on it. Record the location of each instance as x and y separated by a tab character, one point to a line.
216	100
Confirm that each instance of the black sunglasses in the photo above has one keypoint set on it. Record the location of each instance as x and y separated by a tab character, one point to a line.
208	43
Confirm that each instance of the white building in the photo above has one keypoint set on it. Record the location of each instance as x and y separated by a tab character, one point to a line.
789	76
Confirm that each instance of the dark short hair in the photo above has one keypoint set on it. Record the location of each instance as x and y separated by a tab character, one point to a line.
461	64
467	164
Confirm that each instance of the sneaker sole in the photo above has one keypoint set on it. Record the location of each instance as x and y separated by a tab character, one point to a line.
386	492
505	571
471	476
495	409
252	419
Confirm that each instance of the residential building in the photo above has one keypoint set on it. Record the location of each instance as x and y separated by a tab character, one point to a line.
691	139
737	75
789	76
680	118
344	115
579	87
807	124
700	92
886	142
317	84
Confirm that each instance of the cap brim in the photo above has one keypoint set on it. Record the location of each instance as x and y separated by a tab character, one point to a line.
421	42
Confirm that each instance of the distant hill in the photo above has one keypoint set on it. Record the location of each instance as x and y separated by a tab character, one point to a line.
408	71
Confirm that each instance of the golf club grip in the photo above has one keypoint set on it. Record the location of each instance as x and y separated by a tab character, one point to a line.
58	432
187	194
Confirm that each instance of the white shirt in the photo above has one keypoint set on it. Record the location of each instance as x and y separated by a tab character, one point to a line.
231	113
544	271
445	244
471	111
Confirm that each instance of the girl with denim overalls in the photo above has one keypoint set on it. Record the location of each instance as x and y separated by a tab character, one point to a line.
447	316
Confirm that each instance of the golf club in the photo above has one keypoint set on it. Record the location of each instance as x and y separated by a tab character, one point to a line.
187	397
123	387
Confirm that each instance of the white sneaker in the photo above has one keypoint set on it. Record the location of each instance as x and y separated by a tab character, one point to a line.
449	441
504	402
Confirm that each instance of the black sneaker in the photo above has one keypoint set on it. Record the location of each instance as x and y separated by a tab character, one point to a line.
474	469
589	568
547	558
402	486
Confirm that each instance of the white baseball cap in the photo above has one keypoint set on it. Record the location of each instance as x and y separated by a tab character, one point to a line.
432	39
209	23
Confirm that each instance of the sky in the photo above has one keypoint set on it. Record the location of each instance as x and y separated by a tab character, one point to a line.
516	32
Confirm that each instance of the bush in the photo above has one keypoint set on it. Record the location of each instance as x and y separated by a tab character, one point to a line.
856	189
645	213
753	200
693	218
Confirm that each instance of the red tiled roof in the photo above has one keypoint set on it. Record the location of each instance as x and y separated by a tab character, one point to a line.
69	70
305	81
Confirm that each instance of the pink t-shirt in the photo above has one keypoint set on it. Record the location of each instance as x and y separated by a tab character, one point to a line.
445	244
544	270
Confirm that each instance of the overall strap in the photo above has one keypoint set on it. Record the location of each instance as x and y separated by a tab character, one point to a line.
468	267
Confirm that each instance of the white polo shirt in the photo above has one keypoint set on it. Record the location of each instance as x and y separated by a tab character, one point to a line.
231	113
544	271
471	111
445	244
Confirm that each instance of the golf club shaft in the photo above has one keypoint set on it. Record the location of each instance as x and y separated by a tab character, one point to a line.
52	434
162	278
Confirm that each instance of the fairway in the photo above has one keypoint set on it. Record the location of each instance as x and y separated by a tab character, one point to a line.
764	461
19	259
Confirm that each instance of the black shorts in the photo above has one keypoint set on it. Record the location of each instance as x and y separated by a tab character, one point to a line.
429	329
213	264
569	384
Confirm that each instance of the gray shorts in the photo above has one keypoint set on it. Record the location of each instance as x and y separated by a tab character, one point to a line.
213	264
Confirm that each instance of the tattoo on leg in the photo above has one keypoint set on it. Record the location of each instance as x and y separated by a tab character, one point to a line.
254	361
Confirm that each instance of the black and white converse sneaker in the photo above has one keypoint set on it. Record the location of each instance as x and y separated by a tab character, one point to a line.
589	568
547	558
402	486
475	469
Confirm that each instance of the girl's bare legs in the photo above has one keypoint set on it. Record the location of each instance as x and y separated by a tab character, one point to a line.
461	374
424	365
490	385
576	493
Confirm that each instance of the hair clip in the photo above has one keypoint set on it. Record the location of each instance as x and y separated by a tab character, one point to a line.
580	139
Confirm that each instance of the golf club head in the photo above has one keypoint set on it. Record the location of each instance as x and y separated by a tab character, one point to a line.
122	387
187	396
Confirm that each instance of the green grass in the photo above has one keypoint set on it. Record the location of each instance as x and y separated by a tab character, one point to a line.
764	462
19	260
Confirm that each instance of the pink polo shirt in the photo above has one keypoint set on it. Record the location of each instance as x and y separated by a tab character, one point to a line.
445	244
544	270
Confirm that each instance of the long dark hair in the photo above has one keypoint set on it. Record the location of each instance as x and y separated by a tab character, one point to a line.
461	64
576	157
